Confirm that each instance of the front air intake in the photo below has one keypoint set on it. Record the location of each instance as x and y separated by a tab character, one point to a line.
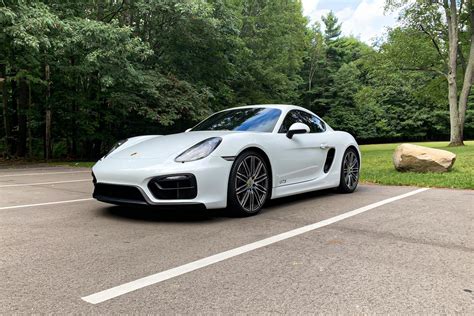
174	187
118	194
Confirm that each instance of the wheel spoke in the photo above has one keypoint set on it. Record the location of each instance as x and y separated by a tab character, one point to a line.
245	199
246	168
260	188
252	166
347	163
241	189
241	177
258	169
251	201
354	178
261	178
354	164
259	197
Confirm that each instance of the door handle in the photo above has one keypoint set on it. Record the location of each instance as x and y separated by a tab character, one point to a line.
324	146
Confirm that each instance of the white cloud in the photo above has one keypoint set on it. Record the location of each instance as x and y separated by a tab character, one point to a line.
309	7
365	20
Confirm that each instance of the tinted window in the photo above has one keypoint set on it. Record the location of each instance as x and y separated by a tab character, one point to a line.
296	116
248	119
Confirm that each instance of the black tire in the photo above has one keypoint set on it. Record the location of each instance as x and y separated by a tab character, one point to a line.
249	184
350	168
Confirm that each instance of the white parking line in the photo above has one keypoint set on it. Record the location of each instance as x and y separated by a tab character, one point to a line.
42	183
40	174
41	204
116	291
39	168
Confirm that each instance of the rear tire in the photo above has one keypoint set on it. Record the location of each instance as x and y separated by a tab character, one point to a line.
249	184
350	168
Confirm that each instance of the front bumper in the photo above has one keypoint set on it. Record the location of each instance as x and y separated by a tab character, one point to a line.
128	181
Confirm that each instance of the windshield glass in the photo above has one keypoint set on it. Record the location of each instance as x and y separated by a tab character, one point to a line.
247	119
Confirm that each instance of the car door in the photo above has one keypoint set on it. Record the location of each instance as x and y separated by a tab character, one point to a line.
302	157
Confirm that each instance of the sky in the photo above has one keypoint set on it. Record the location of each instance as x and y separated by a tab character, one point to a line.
364	19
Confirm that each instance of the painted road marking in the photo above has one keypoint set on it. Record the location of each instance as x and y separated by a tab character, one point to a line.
40	174
42	183
39	168
41	204
125	288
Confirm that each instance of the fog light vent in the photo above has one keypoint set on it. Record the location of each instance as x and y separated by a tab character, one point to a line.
174	187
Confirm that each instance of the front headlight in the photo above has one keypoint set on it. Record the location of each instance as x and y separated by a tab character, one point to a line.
117	145
200	150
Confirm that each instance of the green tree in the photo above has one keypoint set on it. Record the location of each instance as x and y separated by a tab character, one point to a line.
27	29
332	26
314	61
343	112
273	33
449	26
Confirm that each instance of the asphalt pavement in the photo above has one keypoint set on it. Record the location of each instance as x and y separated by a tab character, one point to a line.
398	253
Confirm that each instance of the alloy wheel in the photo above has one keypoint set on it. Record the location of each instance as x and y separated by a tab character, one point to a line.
251	183
351	170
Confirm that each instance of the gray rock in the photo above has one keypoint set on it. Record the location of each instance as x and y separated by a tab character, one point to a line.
408	157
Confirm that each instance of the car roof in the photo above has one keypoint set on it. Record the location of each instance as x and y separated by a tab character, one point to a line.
283	107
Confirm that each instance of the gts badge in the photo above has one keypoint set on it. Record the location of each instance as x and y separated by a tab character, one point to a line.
282	181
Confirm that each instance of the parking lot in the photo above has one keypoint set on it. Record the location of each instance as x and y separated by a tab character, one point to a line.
380	250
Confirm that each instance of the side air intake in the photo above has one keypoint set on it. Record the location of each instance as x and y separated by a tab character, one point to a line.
329	159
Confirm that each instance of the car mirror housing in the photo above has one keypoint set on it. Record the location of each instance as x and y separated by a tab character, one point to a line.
297	128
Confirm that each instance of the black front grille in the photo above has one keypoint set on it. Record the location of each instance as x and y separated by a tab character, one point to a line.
118	194
174	187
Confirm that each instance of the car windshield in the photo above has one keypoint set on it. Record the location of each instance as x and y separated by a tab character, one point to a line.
246	119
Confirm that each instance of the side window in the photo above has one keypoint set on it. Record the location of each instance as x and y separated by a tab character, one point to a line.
314	123
296	116
291	117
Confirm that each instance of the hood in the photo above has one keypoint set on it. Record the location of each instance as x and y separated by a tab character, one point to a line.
164	147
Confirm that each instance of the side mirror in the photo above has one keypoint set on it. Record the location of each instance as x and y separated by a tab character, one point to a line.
297	128
188	130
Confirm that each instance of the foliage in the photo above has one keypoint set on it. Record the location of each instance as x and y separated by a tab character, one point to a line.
107	70
333	28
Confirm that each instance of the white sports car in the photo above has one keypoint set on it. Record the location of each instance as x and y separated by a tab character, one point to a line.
237	158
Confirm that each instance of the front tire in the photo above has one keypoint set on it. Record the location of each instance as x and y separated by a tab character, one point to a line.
350	169
249	184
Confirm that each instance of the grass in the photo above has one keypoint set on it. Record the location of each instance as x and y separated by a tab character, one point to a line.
83	164
377	167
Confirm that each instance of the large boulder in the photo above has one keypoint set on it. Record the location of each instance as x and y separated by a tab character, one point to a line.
408	157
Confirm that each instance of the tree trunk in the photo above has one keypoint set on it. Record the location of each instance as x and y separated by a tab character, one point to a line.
72	151
47	116
127	12
453	36
6	114
100	10
30	137
14	117
466	88
47	135
22	108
